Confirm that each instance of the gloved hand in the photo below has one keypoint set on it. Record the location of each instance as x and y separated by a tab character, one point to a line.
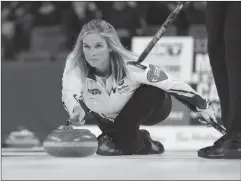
206	116
77	117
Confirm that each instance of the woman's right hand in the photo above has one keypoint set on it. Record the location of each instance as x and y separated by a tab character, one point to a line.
77	117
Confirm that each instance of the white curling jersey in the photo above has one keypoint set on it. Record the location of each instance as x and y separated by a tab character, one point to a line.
108	99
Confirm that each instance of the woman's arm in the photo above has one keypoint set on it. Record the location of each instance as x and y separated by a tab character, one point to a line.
153	75
71	85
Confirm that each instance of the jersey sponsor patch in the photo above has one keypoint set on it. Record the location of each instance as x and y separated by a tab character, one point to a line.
94	91
121	82
124	89
155	74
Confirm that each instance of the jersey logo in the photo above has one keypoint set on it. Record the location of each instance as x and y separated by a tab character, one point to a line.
155	74
121	82
94	91
124	89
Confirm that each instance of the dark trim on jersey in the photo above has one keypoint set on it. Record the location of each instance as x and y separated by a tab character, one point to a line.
177	90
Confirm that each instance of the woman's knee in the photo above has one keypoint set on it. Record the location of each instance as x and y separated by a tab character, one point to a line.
160	112
150	94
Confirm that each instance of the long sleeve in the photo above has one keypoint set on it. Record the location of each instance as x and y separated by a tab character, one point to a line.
71	85
153	75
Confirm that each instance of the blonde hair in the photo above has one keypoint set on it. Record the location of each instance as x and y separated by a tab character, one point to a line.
118	56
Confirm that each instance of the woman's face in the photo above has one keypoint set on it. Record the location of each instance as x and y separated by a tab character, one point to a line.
96	51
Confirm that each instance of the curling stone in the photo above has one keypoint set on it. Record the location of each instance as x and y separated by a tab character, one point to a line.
22	138
69	142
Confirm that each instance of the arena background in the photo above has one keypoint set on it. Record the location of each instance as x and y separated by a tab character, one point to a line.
37	37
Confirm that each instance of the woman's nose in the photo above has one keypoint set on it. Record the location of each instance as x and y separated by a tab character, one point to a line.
93	51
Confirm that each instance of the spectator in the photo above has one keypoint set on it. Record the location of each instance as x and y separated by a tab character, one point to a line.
75	17
8	32
196	13
157	13
46	13
126	21
181	21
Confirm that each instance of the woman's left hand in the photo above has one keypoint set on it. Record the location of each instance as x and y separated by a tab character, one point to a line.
206	115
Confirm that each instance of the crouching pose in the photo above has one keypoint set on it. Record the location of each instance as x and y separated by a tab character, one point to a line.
98	83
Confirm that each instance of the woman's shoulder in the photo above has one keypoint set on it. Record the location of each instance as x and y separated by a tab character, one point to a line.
134	73
72	73
135	69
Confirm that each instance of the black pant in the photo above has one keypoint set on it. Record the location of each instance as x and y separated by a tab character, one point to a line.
148	106
224	49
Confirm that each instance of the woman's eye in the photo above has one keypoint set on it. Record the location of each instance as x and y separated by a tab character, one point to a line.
98	46
85	46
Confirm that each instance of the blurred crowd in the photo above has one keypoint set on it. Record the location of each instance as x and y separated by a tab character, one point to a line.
30	27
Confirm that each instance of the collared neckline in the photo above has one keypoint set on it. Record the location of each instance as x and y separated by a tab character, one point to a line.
91	75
